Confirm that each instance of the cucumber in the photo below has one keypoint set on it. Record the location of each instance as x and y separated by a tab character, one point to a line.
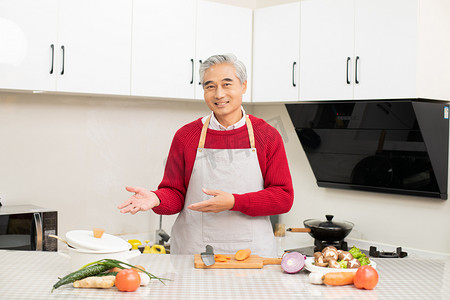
82	273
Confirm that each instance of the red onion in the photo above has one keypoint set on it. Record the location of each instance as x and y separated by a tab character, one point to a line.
292	262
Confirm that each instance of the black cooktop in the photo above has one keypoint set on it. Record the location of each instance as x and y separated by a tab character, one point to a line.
372	252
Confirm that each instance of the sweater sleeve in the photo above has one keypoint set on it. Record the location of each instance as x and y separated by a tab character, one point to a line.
172	189
278	195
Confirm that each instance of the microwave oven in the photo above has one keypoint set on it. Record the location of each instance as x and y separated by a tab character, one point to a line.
26	227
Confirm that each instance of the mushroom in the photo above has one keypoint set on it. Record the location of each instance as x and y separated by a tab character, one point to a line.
328	248
353	264
330	252
328	259
320	262
344	255
317	254
334	264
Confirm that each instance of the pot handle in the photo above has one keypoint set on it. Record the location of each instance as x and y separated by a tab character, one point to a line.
299	229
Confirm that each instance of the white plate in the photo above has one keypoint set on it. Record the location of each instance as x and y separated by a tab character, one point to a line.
85	240
309	265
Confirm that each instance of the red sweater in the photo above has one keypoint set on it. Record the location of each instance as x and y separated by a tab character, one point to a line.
276	197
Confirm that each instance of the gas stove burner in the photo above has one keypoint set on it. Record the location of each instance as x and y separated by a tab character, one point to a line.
320	245
383	254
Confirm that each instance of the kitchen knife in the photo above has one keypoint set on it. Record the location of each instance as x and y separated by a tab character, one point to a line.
208	256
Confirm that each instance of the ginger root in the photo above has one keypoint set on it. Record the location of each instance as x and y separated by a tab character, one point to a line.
99	282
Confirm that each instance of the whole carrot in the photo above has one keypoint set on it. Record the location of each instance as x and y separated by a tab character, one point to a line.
338	278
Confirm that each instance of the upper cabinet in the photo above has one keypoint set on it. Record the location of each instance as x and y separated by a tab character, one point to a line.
163	52
96	36
358	49
326	50
28	34
302	51
66	46
171	38
276	43
385	54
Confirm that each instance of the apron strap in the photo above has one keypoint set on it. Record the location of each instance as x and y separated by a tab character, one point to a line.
251	135
201	143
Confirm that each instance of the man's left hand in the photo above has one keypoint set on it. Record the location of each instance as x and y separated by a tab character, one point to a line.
220	201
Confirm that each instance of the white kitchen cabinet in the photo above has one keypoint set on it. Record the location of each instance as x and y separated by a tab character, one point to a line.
96	36
224	29
276	53
28	31
171	38
326	49
386	44
66	46
163	51
358	49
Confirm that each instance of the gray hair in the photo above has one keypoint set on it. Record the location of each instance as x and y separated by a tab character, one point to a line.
241	71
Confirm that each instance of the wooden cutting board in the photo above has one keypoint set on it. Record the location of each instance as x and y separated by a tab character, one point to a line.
253	262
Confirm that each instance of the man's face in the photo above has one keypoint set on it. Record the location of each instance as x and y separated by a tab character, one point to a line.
223	91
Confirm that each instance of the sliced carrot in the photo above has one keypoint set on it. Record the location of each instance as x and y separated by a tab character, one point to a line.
221	258
243	254
338	278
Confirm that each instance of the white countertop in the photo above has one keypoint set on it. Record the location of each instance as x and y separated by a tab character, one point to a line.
31	275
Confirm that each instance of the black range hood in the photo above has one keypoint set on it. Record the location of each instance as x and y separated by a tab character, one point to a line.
389	146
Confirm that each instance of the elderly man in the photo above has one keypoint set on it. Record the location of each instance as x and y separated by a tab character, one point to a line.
226	173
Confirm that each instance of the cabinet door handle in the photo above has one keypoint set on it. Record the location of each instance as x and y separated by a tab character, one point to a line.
293	74
356	70
192	69
200	61
348	60
63	58
53	57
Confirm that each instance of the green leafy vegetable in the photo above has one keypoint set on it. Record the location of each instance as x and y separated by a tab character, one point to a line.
361	257
343	264
356	253
364	260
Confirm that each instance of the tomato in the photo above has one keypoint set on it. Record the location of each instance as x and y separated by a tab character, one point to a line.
366	277
128	280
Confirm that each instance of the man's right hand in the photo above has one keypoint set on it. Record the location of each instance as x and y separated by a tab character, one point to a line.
142	199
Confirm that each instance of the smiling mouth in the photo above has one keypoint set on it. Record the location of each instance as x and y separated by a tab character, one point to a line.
221	104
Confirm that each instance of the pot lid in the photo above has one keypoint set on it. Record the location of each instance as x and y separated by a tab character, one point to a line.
84	239
328	224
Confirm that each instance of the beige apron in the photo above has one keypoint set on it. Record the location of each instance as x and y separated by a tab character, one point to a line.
234	171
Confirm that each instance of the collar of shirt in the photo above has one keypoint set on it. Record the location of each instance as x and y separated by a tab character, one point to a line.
215	125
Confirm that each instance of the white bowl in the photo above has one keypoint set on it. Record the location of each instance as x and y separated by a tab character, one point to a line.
309	265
